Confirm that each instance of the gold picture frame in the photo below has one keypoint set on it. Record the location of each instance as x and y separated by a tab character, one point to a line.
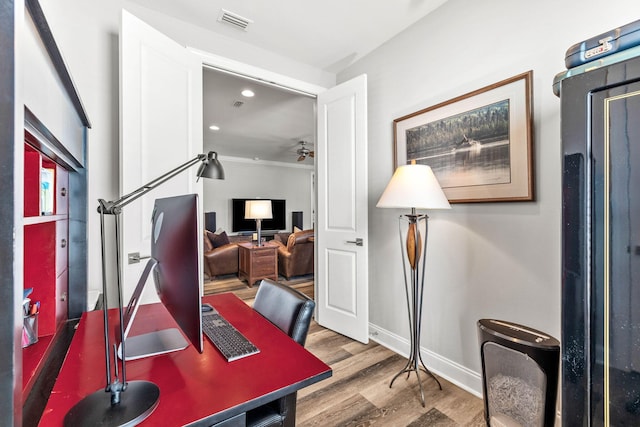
479	145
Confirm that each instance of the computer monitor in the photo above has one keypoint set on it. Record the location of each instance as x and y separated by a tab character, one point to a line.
175	267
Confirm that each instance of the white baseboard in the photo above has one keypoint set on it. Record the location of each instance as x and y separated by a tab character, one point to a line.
453	372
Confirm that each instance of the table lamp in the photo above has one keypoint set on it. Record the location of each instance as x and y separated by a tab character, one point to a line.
416	187
122	403
258	210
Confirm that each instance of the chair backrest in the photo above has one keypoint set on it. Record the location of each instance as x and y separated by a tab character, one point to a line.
285	307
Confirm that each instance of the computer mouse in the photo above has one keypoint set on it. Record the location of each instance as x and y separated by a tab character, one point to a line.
206	308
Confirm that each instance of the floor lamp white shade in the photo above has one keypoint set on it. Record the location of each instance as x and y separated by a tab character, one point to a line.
258	210
414	186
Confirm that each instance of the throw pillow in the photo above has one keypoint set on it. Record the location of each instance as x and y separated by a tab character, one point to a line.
206	241
220	239
211	236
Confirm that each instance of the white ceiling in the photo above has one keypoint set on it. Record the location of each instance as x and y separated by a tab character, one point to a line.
267	126
327	34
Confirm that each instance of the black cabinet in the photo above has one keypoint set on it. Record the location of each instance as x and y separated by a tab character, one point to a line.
601	246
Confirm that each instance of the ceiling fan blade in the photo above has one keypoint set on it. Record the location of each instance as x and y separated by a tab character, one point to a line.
303	152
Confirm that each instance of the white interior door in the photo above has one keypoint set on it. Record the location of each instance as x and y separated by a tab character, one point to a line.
161	128
342	294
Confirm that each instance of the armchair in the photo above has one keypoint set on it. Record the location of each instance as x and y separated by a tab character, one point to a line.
221	253
296	256
221	260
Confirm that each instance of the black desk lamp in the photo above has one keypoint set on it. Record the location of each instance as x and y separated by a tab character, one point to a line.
123	403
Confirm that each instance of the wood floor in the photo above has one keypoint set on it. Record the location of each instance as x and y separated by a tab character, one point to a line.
231	283
358	393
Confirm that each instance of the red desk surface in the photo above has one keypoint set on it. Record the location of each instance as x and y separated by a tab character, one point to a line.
193	386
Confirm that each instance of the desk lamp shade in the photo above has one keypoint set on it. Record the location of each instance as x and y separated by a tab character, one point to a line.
258	210
211	167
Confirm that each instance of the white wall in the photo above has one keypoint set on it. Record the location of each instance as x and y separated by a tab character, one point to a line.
498	260
55	110
486	260
259	179
87	34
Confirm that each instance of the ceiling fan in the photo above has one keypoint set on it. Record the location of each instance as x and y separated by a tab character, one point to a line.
303	152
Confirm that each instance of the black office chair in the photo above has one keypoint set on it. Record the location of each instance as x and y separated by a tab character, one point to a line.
290	311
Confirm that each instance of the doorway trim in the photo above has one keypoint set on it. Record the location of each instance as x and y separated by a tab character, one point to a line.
271	78
284	82
262	75
257	73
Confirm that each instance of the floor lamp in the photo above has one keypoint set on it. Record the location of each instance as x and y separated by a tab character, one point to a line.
258	210
123	403
416	187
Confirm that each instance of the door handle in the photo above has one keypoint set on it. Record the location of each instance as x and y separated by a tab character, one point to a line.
357	242
134	257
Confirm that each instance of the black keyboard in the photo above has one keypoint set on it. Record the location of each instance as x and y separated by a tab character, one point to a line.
231	343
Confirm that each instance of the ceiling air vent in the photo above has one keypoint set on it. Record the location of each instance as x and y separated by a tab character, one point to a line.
233	19
238	104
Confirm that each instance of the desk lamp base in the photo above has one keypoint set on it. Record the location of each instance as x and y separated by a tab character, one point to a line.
137	402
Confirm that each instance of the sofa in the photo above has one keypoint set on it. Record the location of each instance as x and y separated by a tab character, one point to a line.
295	253
221	253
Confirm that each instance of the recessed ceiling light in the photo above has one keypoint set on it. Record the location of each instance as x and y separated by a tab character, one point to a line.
247	93
214	127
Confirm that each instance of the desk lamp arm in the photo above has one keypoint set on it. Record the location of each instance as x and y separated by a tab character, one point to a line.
114	207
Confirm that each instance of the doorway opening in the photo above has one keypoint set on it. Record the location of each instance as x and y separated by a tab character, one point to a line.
266	143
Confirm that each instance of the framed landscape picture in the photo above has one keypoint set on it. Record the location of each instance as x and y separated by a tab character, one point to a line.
479	145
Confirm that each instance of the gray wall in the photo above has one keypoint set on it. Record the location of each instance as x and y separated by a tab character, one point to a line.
487	260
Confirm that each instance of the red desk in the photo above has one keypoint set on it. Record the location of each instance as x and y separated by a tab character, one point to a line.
202	389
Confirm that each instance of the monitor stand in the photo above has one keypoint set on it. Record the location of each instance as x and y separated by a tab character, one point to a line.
153	343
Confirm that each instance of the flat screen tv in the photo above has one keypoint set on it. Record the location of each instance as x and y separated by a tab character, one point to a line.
277	223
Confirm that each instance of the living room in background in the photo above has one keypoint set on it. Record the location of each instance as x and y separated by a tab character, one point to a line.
350	114
258	139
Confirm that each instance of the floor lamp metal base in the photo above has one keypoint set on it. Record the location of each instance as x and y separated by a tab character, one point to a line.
416	249
412	366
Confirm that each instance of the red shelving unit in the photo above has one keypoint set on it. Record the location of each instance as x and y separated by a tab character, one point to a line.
45	232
